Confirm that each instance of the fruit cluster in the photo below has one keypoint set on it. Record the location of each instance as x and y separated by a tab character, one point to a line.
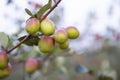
5	66
51	36
46	42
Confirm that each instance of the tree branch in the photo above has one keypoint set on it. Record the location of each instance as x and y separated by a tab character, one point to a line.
27	37
51	9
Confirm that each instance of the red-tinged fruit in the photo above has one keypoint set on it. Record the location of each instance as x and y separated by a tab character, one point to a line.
3	59
32	26
47	27
31	65
61	36
46	44
73	32
64	45
5	72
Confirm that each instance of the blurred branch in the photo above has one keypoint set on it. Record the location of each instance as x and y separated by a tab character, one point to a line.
27	37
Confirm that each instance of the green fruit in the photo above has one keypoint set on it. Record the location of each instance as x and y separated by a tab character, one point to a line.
3	59
61	36
47	27
1	74
31	65
32	26
64	45
73	33
46	44
5	72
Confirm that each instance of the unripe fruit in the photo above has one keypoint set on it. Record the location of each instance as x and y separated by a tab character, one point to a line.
3	59
32	26
61	36
31	65
1	74
5	72
46	44
64	45
47	27
73	33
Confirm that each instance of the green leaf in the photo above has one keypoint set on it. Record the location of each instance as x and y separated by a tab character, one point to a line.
33	40
4	40
29	12
44	9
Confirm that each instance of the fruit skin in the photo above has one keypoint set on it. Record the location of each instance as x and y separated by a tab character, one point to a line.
61	36
47	27
31	65
32	26
5	72
1	74
64	45
73	33
46	44
3	59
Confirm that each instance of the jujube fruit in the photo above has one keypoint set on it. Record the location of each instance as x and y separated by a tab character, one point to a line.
73	33
64	45
31	65
47	27
46	44
32	26
3	59
61	36
6	71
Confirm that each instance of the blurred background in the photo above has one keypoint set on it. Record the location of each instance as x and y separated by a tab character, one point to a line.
93	56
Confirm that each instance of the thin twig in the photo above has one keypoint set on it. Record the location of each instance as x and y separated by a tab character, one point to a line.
51	9
25	39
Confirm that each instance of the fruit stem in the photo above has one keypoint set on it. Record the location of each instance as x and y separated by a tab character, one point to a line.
27	37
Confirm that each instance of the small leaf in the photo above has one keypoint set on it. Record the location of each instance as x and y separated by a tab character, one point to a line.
29	12
44	9
4	40
33	40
